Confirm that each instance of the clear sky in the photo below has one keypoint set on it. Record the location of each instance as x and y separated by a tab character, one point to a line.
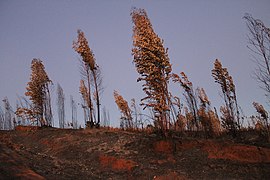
196	33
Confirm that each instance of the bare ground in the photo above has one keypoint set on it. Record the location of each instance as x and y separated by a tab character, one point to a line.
114	154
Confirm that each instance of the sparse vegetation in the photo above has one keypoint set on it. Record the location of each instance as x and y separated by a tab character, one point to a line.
176	129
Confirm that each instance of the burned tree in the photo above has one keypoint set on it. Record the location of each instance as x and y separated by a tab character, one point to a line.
23	103
73	113
263	119
189	96
87	104
106	117
9	119
152	63
91	72
38	91
126	118
207	117
259	44
230	112
61	106
2	119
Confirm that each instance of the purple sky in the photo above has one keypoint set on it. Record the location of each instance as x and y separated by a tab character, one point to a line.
196	33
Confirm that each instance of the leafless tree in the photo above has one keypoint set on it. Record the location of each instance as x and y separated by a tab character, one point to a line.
259	44
136	112
97	84
106	117
2	119
61	106
8	115
73	113
24	103
19	120
48	107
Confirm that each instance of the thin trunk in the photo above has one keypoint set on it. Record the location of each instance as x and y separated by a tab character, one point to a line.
49	107
97	98
90	100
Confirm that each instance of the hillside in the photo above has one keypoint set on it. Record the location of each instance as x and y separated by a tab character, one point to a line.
51	153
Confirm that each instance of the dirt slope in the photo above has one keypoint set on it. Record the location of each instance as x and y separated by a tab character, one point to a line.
108	154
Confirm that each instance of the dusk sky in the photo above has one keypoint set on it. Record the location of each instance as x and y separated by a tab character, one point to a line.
196	33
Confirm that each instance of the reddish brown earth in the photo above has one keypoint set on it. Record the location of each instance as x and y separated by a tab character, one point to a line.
31	153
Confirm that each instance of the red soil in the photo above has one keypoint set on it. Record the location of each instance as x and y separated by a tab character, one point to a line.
116	164
110	154
163	147
242	153
26	128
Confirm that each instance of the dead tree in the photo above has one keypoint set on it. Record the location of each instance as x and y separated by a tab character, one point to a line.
152	63
2	119
61	106
208	119
259	44
230	112
126	118
73	113
8	115
263	119
189	96
24	103
106	117
91	72
48	107
38	91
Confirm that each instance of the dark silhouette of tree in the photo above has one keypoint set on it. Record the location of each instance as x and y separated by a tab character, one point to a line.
152	63
38	91
91	72
61	106
259	44
230	112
